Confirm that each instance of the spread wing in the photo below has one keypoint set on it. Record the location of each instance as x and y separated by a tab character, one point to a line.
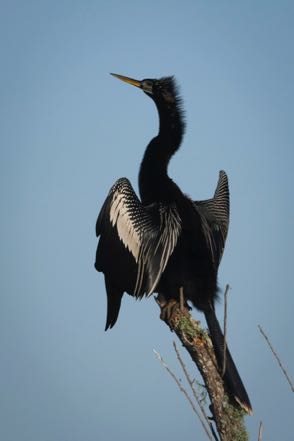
215	215
136	241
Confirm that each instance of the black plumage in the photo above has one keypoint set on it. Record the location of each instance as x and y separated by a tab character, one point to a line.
165	242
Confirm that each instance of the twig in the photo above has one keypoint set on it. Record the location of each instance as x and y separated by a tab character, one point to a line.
182	389
277	357
181	298
227	414
225	329
193	389
260	431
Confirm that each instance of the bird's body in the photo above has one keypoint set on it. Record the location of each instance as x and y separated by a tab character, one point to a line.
165	242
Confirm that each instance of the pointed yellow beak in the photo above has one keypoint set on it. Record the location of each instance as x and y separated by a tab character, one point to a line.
127	80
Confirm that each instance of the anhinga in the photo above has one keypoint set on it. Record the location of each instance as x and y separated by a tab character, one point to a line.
165	242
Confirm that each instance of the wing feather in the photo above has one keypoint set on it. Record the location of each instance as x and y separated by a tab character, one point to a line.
215	215
148	233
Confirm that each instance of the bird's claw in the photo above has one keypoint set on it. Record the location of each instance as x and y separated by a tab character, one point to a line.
169	309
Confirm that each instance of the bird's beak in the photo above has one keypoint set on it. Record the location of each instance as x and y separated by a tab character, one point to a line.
128	80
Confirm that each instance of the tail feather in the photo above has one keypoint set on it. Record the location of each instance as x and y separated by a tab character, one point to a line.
232	378
114	297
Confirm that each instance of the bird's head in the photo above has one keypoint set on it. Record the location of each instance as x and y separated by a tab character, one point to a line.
163	89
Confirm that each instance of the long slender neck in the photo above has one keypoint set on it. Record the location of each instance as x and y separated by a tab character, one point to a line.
154	183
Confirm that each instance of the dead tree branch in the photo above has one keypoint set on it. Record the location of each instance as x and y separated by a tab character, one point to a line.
225	328
277	357
183	390
260	431
227	414
191	384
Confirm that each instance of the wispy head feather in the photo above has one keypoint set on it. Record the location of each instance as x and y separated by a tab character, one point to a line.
167	91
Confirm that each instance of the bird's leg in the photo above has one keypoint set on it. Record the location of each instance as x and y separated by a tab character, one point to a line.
168	307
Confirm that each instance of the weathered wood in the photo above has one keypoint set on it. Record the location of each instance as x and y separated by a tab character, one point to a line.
227	414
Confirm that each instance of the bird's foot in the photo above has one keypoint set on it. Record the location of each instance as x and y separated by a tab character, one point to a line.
169	308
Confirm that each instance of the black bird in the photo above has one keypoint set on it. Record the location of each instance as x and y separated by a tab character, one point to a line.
165	242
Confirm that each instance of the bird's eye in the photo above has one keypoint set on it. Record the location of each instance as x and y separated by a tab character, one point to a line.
147	86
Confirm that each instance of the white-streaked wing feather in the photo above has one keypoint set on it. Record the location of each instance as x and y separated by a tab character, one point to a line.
166	240
120	217
150	233
215	215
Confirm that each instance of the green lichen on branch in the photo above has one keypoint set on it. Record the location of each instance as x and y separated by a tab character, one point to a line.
226	412
236	418
189	327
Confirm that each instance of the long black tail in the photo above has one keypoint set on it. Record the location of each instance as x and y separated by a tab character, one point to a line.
231	375
114	296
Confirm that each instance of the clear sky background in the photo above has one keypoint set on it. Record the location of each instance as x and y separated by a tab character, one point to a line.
68	131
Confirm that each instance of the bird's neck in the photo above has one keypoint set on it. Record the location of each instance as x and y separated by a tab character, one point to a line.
154	182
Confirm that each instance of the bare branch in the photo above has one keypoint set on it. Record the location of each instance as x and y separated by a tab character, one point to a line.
183	390
191	383
227	414
277	357
260	431
225	328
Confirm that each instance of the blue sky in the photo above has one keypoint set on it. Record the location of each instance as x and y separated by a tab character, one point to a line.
68	131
